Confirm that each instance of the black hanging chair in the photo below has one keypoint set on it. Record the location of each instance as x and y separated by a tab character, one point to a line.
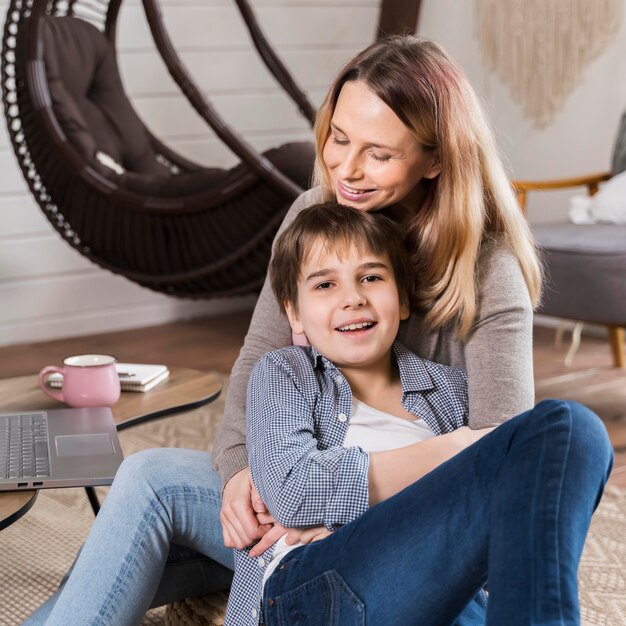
113	190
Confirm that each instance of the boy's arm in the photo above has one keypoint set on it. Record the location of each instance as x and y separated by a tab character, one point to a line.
305	486
391	471
300	484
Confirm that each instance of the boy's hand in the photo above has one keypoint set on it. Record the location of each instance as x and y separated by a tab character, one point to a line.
464	437
294	535
268	540
306	535
244	516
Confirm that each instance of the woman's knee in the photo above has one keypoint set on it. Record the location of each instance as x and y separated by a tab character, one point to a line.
157	469
143	463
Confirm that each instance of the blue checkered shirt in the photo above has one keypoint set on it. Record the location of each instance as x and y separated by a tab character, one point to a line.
298	412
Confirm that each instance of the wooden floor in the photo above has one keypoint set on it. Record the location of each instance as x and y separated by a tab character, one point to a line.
213	344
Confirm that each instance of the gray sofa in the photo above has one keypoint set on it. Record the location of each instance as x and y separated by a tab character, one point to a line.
585	263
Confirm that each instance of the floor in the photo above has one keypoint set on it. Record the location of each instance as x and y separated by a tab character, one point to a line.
213	343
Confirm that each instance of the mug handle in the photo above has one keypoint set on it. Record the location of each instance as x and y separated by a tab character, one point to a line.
43	375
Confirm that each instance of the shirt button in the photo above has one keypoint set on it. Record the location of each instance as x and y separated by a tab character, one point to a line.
342	417
255	613
261	561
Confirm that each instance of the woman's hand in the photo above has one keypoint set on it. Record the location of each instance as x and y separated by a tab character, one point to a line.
244	515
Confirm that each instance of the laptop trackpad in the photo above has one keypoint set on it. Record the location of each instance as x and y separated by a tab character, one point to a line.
81	445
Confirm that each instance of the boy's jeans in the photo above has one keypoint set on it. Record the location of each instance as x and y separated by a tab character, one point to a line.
516	505
173	495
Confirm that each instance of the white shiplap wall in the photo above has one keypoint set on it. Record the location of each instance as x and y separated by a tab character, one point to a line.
47	290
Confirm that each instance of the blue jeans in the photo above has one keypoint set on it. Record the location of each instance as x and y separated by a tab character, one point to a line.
512	511
159	497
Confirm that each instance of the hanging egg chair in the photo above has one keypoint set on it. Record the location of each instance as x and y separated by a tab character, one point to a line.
115	192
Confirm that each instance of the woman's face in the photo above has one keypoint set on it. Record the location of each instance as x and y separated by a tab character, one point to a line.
372	157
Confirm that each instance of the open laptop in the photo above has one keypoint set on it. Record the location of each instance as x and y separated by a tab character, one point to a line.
58	448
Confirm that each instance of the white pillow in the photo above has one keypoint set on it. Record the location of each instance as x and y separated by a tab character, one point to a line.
609	204
580	210
109	162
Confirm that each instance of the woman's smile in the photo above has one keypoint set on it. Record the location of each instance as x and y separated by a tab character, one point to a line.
352	194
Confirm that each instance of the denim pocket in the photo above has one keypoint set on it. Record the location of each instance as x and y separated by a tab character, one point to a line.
322	601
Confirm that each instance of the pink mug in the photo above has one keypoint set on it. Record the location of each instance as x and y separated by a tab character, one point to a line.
88	380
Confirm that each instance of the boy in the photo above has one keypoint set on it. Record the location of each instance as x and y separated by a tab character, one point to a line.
344	279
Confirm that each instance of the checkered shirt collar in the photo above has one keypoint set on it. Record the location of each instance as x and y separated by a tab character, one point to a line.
414	376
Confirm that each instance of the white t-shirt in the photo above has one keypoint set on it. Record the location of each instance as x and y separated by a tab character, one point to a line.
373	431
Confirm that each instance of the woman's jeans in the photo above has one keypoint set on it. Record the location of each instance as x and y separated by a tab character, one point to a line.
512	511
159	496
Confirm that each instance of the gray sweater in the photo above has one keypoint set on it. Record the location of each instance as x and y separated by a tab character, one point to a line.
497	353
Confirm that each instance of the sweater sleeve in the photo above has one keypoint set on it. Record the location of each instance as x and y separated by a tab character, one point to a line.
269	330
498	351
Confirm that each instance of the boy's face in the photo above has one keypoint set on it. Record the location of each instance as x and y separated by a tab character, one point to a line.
348	305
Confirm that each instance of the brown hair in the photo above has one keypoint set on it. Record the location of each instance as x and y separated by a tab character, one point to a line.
469	202
336	226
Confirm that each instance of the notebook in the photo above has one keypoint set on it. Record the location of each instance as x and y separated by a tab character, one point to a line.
133	376
58	448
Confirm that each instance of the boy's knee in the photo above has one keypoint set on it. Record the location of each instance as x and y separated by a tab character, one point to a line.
588	436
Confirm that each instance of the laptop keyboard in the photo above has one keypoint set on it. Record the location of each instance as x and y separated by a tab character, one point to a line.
24	446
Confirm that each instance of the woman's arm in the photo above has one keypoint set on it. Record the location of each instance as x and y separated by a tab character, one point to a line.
498	350
241	514
269	330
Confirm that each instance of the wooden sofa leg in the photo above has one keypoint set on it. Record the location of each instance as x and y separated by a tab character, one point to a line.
616	337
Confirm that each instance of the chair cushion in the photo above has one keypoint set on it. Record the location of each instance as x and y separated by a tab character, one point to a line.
295	160
88	98
585	271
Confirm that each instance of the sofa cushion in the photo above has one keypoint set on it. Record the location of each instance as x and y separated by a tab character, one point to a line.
582	238
585	271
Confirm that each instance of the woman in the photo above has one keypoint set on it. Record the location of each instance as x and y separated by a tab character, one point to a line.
402	131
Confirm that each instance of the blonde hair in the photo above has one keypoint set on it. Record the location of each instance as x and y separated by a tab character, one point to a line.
469	202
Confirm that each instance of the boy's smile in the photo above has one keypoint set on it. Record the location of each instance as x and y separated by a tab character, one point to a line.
348	305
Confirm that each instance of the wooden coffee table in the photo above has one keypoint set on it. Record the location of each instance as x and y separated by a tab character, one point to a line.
185	389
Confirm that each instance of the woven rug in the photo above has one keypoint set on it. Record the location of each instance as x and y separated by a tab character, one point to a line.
39	548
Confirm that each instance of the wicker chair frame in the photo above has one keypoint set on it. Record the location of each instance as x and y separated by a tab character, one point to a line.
187	246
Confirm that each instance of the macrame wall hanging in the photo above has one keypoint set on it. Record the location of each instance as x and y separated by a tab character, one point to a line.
541	48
